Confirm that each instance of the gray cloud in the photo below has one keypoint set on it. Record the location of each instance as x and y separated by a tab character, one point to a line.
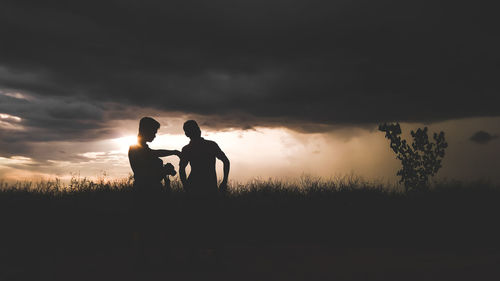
310	61
51	118
307	65
482	137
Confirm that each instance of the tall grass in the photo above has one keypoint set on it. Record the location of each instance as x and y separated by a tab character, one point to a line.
303	184
340	210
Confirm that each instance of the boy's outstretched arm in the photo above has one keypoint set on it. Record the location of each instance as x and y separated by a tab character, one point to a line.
165	152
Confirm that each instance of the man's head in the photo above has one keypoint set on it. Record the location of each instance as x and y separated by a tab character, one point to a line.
148	128
191	129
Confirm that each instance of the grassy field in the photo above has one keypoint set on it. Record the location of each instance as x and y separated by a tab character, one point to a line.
309	229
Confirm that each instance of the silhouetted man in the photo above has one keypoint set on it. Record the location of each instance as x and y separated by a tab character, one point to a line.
201	154
145	162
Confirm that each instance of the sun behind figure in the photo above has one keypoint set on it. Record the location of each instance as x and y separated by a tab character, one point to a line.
124	143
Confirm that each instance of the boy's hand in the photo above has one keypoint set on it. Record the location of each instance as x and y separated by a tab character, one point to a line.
170	170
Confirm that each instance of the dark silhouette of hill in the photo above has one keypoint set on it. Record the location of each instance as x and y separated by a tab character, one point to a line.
262	231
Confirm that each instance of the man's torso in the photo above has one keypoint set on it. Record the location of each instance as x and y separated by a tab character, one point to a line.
201	156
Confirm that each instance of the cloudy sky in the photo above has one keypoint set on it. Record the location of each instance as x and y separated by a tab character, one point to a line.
284	87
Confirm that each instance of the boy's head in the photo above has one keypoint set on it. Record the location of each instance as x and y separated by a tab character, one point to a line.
148	128
191	129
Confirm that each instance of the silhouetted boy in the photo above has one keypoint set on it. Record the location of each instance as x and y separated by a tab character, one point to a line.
145	162
201	154
148	173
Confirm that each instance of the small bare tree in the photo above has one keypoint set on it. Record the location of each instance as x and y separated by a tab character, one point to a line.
420	160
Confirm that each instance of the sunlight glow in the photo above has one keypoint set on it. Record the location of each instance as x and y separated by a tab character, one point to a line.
16	95
169	141
10	122
123	143
9	117
266	152
92	155
18	160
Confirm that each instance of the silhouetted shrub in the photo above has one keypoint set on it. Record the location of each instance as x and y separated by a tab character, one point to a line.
420	160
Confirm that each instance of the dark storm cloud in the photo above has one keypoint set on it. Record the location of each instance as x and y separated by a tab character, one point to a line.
483	137
35	119
51	118
303	64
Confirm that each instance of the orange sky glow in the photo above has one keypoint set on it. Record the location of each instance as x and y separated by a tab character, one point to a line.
274	152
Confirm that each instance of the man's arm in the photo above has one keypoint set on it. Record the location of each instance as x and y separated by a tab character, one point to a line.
182	169
222	156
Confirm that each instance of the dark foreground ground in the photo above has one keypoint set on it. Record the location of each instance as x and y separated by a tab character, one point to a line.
265	233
